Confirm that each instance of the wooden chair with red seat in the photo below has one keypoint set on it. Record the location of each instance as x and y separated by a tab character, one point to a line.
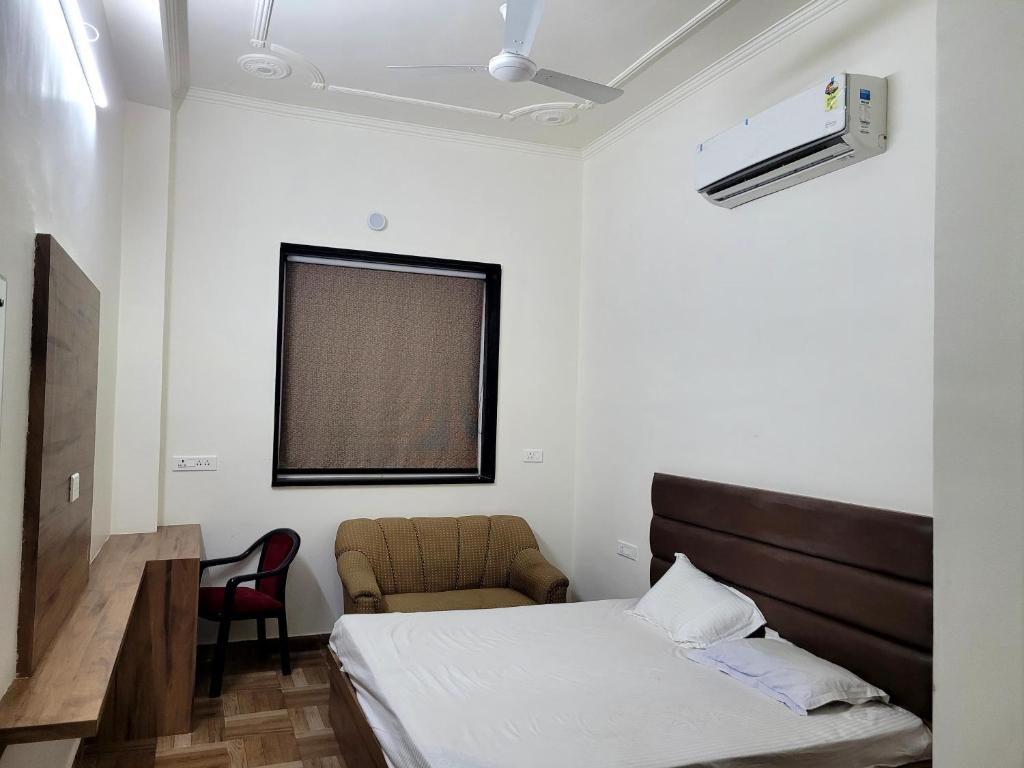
237	603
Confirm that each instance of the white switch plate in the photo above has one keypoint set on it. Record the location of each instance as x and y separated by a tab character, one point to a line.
74	487
195	464
628	550
533	455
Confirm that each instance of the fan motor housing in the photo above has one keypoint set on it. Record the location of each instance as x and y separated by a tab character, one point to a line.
511	67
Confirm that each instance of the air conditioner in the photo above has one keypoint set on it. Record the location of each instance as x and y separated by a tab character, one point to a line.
838	122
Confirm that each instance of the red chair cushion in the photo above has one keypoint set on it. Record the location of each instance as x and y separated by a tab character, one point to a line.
275	551
247	600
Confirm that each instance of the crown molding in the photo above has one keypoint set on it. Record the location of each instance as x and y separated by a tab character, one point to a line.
562	105
667	44
800	18
174	20
317	76
280	109
416	102
564	108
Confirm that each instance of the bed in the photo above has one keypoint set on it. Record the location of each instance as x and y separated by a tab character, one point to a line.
587	684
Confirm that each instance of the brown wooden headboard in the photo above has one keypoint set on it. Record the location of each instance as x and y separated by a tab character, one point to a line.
851	584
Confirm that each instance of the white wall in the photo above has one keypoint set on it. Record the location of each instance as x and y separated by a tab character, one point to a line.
246	181
785	344
60	173
979	389
137	430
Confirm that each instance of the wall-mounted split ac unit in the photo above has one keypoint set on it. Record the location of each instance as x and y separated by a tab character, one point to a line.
838	122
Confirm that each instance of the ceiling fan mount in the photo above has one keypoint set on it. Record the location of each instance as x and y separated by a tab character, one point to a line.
511	67
514	65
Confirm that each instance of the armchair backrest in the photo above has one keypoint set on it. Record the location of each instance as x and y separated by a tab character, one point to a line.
279	548
435	554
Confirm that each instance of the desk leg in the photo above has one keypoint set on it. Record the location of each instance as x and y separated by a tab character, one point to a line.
154	679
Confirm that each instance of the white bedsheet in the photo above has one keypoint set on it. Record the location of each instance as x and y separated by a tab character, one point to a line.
585	684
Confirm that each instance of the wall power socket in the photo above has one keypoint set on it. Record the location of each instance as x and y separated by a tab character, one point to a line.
627	550
195	464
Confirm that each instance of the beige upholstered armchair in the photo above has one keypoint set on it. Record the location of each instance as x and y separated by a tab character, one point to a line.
397	564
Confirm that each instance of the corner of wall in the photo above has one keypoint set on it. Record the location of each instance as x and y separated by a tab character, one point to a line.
144	234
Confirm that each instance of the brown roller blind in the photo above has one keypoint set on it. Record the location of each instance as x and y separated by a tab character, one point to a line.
380	369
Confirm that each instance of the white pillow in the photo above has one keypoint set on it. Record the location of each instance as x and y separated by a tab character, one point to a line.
695	609
787	673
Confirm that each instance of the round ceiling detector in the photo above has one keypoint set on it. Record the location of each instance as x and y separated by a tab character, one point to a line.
377	221
265	66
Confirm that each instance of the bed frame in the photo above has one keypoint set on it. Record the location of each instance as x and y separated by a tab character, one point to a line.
851	584
355	737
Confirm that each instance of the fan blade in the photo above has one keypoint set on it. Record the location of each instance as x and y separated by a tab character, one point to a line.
455	68
585	89
522	17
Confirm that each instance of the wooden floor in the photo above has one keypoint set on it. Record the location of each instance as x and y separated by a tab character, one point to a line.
263	719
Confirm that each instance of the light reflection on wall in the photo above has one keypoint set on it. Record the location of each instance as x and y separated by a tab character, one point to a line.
63	78
84	48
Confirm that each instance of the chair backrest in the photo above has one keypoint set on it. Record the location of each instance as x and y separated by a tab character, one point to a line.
279	548
435	554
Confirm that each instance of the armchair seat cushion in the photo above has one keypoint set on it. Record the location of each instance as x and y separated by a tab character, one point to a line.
455	600
247	600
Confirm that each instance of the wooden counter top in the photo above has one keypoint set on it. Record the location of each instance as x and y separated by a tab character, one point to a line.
65	696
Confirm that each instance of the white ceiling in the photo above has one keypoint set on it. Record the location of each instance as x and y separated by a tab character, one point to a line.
345	45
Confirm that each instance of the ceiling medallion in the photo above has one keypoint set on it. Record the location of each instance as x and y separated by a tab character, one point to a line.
554	116
265	66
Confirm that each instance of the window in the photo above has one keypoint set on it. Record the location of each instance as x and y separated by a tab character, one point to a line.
387	368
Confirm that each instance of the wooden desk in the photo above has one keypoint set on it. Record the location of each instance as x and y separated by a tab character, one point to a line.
123	665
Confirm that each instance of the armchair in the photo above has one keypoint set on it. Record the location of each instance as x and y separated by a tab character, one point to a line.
264	600
443	563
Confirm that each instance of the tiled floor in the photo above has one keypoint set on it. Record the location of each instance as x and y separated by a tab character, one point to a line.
262	719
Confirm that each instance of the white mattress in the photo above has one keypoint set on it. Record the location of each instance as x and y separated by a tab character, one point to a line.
584	684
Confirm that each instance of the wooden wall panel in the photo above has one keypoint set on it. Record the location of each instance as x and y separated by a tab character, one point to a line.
61	441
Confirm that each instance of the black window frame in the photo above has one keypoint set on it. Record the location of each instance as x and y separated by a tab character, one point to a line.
485	473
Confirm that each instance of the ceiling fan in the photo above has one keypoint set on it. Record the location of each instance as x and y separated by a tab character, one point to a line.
513	64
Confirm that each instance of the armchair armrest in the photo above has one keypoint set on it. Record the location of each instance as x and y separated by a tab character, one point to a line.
359	582
231	585
536	578
204	564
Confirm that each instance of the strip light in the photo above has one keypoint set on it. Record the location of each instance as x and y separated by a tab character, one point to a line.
83	47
